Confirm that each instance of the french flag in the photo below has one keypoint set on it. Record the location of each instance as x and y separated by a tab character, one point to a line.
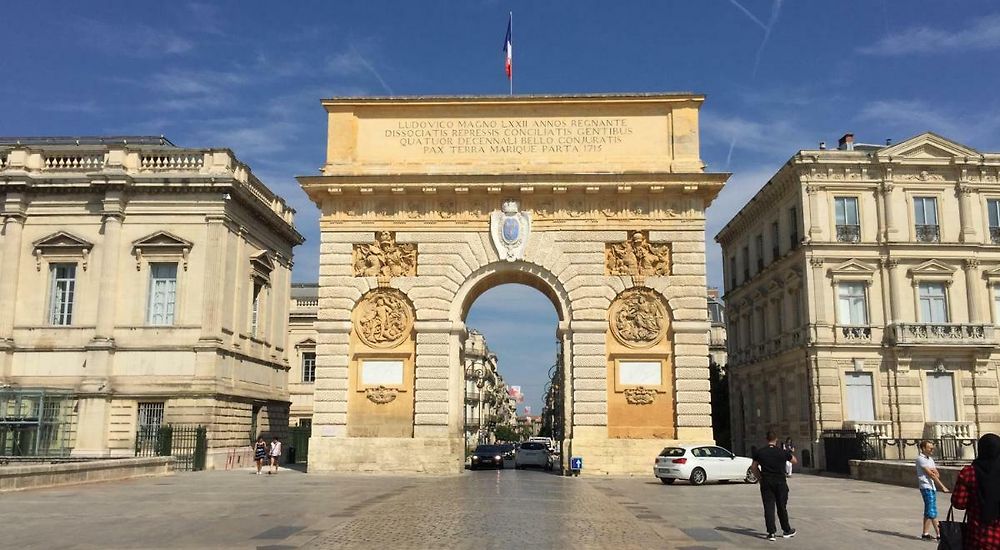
508	64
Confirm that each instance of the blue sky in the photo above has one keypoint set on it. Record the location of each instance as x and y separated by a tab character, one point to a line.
779	76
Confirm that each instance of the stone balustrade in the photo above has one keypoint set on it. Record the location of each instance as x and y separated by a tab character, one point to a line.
881	429
941	333
853	334
958	430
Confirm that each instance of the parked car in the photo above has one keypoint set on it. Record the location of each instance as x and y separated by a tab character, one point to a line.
701	463
532	453
487	455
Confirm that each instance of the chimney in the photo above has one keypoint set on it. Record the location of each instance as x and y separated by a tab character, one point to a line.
846	143
822	146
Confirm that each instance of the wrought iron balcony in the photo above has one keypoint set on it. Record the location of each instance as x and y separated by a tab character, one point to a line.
855	333
472	396
848	233
881	429
928	233
941	333
995	235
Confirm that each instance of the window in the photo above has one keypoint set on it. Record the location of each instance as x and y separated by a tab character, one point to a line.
852	305
993	205
793	227
150	416
860	398
162	293
732	272
62	288
309	366
925	218
746	264
775	241
933	303
715	313
759	246
940	397
255	308
848	225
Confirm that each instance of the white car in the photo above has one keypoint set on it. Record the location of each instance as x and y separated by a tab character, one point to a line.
701	463
532	453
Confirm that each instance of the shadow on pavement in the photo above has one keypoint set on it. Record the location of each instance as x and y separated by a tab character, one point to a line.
893	534
753	533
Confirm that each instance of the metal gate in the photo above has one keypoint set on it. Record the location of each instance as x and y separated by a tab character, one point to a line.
187	444
843	446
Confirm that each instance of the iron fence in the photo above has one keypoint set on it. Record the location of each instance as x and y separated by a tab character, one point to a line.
187	444
945	448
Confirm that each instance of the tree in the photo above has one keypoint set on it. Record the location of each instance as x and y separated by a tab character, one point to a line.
507	433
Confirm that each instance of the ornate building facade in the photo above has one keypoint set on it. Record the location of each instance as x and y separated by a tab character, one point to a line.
150	284
862	292
488	403
303	307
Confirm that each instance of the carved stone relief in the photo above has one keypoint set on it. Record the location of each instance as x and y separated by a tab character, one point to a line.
637	256
638	318
384	318
381	395
385	258
640	396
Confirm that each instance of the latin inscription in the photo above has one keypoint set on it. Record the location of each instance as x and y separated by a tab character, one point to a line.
518	136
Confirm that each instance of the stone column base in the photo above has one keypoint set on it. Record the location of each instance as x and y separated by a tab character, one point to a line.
388	455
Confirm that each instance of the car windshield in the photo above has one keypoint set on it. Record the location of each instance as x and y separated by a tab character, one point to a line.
672	451
485	449
532	446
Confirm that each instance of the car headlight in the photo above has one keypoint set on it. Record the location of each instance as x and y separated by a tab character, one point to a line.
475	458
497	457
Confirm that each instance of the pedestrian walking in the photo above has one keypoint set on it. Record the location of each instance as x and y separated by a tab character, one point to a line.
260	452
790	447
769	467
275	454
977	491
928	480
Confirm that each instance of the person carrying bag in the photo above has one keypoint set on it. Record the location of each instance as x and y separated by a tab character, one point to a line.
977	491
951	532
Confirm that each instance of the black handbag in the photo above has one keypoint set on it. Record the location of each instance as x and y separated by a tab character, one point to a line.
952	531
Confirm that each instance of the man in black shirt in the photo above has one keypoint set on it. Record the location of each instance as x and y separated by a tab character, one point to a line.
769	467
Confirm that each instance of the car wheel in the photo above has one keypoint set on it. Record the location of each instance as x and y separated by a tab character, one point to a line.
667	480
750	477
698	476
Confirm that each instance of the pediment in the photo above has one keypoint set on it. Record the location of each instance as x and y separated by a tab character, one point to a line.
853	266
307	343
62	240
933	267
928	146
262	261
161	239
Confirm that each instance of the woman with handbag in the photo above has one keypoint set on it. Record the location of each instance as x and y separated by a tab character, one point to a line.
977	491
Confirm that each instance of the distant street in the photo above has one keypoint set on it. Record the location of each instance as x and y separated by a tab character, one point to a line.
483	509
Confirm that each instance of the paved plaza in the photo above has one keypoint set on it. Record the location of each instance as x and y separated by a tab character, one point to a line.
483	509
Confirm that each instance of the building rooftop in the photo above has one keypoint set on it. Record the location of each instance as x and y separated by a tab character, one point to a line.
159	141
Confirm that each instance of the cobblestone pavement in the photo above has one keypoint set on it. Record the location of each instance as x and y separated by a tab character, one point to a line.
481	510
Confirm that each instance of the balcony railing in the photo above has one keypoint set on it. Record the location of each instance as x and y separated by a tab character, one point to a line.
473	396
994	234
881	429
855	333
958	430
848	233
307	302
941	333
928	233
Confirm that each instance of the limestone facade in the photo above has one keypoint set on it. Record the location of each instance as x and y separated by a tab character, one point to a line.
303	308
151	281
487	400
543	191
862	292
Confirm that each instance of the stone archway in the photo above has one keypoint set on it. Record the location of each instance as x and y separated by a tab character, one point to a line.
596	201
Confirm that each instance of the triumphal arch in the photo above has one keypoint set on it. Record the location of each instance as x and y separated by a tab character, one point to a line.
598	201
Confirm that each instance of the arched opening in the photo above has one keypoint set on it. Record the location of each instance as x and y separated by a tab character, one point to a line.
514	371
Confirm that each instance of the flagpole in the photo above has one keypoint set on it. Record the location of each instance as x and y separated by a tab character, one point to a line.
511	15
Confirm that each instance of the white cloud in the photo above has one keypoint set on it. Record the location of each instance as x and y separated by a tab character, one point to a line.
982	34
909	117
779	136
133	39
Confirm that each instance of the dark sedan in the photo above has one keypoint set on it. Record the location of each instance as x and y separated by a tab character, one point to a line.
487	456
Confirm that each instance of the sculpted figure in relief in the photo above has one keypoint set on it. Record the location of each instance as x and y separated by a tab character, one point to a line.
385	258
637	256
383	319
638	318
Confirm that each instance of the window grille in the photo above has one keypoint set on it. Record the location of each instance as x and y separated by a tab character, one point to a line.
150	415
